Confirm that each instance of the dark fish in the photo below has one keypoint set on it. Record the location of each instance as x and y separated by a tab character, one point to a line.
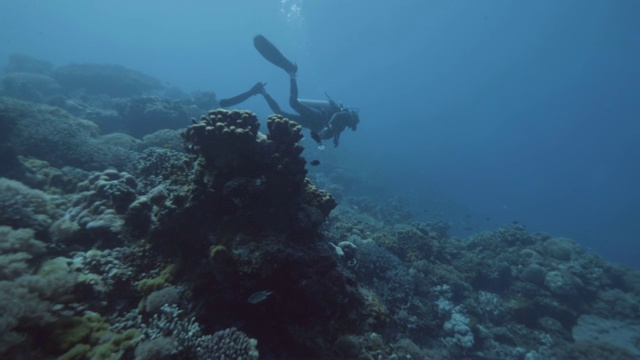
315	162
259	296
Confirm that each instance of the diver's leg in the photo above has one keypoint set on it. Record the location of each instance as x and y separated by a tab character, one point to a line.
304	110
273	105
242	97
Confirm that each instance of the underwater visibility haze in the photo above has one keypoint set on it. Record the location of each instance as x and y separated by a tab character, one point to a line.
486	204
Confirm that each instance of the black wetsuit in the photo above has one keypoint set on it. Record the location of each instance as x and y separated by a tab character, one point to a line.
323	124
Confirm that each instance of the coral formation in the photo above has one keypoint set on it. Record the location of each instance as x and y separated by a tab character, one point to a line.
29	86
215	242
27	64
51	134
112	80
251	181
163	139
30	288
143	115
97	209
229	344
25	207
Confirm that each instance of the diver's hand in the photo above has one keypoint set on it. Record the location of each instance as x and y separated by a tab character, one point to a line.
321	147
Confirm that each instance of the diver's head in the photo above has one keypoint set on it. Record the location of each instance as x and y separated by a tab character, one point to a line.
355	119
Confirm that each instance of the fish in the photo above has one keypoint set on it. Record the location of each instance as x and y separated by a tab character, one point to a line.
259	296
315	162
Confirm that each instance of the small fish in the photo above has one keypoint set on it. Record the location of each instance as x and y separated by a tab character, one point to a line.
315	162
259	296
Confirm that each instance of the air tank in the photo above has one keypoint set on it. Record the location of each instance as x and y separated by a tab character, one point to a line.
322	105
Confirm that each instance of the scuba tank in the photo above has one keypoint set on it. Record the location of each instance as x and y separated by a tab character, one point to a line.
327	106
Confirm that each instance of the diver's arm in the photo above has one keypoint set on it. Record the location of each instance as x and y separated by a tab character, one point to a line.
337	124
338	121
336	139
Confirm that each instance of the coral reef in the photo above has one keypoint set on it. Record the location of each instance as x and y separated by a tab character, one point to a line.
30	86
251	181
143	115
229	344
164	139
205	100
23	206
96	211
215	242
51	134
27	64
30	287
112	80
245	218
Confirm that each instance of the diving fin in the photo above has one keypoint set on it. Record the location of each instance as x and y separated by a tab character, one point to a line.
273	55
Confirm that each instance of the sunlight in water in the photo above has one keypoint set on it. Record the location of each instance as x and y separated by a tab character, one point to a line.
292	12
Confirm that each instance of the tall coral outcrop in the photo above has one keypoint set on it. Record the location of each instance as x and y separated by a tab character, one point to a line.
251	181
244	219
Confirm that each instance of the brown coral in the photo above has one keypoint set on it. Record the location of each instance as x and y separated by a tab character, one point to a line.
251	181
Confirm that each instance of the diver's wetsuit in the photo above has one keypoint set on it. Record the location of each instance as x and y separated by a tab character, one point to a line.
323	124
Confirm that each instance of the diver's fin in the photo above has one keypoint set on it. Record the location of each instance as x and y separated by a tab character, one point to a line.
273	55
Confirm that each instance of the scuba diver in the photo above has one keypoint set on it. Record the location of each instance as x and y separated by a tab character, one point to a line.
324	118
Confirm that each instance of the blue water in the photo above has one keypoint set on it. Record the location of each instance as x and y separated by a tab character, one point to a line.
479	113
